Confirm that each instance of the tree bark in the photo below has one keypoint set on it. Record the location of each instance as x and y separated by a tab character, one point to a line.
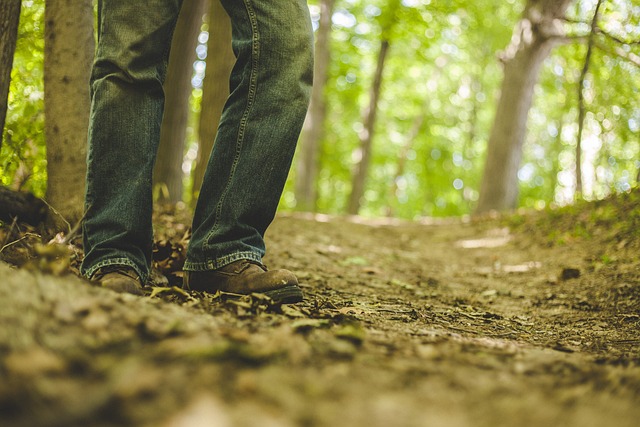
9	19
220	60
168	168
533	38
366	135
69	49
313	129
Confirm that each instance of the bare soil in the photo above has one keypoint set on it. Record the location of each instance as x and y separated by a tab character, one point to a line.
487	322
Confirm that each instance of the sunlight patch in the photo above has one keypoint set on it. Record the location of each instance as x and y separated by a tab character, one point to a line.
487	242
522	268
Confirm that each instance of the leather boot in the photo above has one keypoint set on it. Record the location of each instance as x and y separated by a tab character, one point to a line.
245	277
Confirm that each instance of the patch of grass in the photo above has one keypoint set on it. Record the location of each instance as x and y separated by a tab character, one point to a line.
615	218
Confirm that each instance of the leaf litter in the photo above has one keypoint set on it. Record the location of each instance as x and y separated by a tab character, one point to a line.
431	332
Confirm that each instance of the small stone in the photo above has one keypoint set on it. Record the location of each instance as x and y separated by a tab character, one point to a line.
569	273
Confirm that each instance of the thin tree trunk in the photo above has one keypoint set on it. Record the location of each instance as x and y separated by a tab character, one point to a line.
168	169
9	19
220	60
581	106
68	54
532	41
313	129
403	155
366	135
555	156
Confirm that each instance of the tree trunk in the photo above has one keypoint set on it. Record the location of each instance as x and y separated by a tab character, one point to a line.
533	38
9	18
554	154
168	168
366	136
313	129
220	60
414	131
69	49
581	107
403	156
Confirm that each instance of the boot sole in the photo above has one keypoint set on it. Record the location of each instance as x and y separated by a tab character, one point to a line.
287	295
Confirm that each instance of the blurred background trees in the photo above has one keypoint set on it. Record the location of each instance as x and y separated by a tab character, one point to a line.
534	36
168	169
412	99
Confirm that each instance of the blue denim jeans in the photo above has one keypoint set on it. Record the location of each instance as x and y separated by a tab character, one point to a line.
261	121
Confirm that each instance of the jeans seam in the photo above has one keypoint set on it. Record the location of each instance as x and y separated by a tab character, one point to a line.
222	261
115	261
251	95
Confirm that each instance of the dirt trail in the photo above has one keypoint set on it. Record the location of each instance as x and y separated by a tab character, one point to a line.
451	324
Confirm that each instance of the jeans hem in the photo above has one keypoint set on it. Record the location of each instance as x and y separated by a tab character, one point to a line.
217	263
89	272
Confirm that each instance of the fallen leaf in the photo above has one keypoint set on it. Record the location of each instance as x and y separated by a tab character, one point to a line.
353	311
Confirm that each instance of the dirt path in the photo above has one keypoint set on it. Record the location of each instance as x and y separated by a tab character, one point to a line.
455	324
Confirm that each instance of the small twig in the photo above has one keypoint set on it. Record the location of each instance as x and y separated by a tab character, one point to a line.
617	39
468	331
626	341
388	310
566	39
619	52
563	40
505	334
58	214
573	21
74	230
449	326
19	240
469	316
13	225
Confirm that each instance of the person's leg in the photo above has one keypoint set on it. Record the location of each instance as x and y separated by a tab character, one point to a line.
126	110
270	88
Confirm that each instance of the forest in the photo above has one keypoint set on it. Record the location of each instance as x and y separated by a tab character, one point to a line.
462	213
412	113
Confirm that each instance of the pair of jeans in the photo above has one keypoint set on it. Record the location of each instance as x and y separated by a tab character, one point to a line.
270	87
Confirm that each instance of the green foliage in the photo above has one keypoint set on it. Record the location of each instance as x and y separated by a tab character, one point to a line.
443	71
434	76
436	109
611	149
22	158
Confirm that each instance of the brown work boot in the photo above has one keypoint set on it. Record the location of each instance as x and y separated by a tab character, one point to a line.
246	277
119	278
